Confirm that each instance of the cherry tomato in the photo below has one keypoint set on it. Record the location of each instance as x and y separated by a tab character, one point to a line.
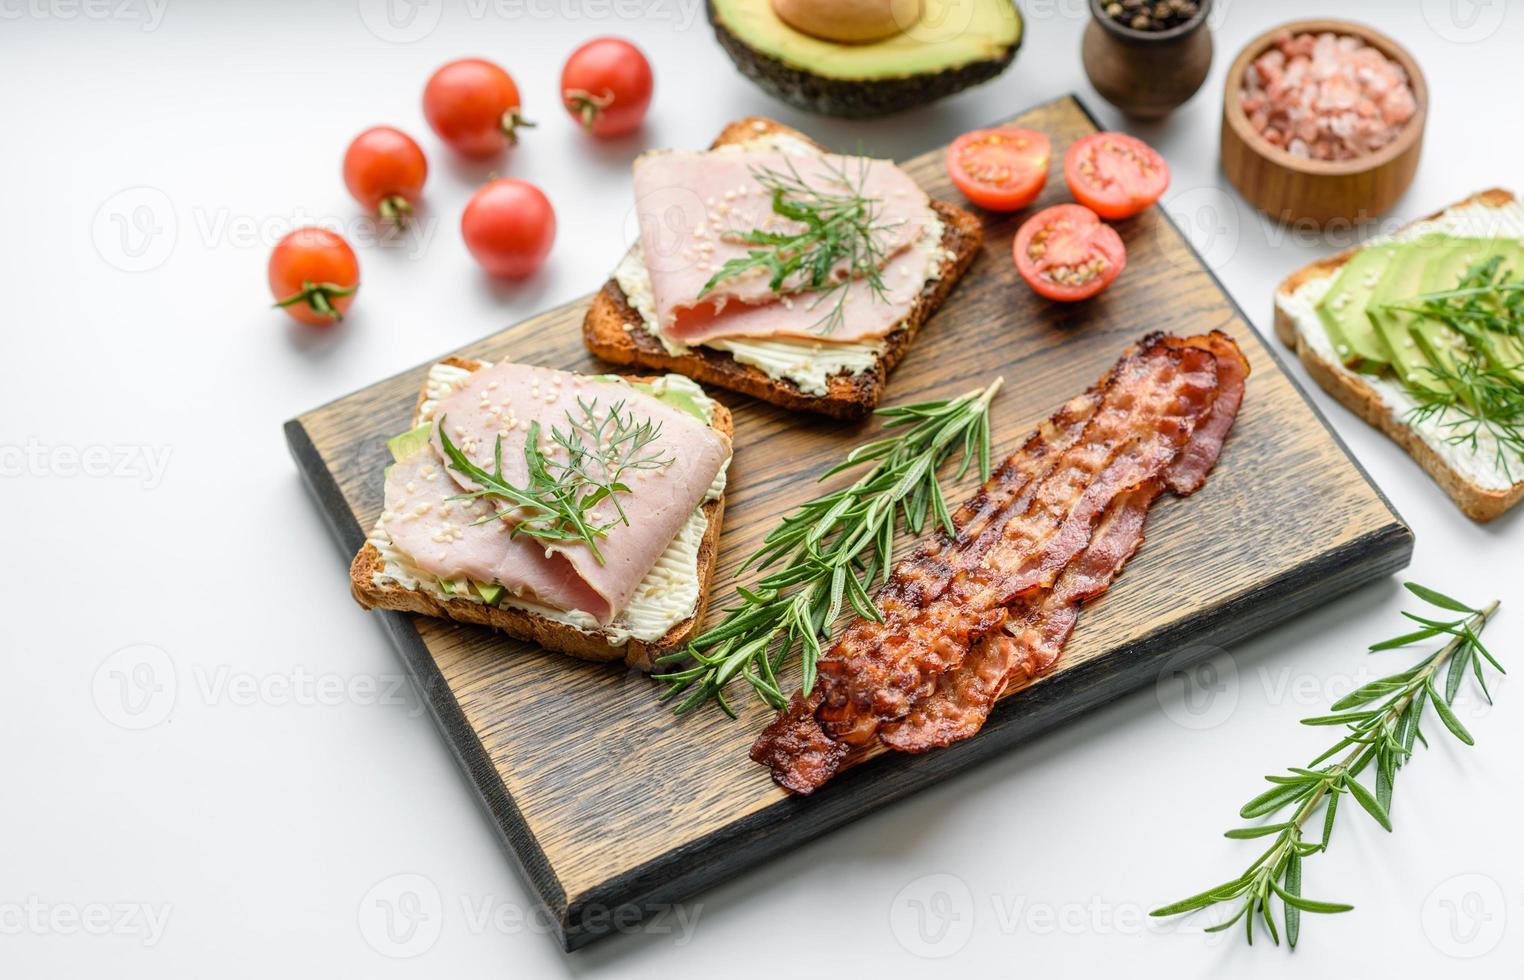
1115	175
606	86
1066	254
1002	169
314	275
474	106
384	170
509	227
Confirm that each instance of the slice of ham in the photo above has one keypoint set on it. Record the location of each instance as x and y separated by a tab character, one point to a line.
693	206
442	538
501	402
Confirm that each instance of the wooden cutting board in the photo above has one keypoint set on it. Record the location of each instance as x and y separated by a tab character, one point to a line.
614	807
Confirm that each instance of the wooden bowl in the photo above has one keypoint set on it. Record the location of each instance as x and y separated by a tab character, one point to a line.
1294	189
1146	74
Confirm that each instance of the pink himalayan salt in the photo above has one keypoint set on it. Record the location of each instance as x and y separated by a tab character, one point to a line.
1326	96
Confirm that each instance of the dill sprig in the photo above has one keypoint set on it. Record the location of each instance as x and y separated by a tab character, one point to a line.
829	551
1478	389
556	502
840	241
1383	720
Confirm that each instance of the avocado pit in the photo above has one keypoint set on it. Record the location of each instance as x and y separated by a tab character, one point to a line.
849	21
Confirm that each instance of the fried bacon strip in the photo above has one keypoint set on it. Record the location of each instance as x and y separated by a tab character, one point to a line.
1032	639
1148	409
1189	471
966	615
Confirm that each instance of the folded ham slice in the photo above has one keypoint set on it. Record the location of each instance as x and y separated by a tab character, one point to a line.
503	401
692	208
442	538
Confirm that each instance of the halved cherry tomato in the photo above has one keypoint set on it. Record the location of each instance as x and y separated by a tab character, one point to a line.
606	86
384	170
474	106
509	227
314	275
1002	169
1114	175
1066	254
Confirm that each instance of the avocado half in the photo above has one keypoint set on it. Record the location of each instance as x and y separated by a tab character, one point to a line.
955	44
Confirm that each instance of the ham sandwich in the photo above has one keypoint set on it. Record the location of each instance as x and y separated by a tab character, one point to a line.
489	416
968	615
695	208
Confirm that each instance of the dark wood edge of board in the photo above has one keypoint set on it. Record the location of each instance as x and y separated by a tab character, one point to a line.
792	821
487	785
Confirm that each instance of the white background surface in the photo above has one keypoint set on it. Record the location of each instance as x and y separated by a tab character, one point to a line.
255	778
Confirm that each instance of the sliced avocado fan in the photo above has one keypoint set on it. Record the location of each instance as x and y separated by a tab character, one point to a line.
953	45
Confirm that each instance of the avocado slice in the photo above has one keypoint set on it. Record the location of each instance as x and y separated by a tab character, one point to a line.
1404	279
676	397
405	445
1342	310
490	593
954	44
1441	344
1503	351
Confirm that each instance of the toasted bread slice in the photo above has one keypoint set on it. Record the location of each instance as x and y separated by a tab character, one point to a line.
613	330
1355	392
531	626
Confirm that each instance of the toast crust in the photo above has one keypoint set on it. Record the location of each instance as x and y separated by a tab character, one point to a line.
613	331
533	627
1353	392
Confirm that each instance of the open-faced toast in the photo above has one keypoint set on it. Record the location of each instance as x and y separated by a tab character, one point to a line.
373	589
613	329
1478	497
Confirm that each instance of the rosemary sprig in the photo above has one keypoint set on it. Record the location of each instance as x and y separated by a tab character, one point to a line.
556	502
829	551
839	241
1479	388
1383	720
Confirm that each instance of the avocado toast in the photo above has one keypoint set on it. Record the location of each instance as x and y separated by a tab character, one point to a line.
1376	326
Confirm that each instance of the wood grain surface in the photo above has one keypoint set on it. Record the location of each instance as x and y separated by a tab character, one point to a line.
610	804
